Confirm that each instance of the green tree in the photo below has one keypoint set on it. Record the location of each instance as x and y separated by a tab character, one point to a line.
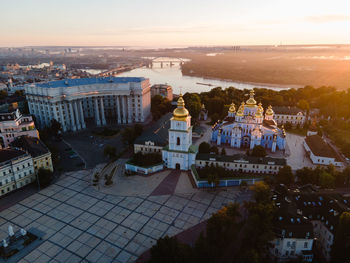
204	147
304	105
128	135
193	104
285	175
109	151
307	176
159	106
55	127
45	177
169	249
213	178
223	151
138	129
341	247
327	180
258	151
261	192
214	149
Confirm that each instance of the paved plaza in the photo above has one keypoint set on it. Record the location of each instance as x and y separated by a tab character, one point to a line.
83	224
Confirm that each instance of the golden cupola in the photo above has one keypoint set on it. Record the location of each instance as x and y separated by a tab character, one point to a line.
259	113
269	111
232	108
251	102
180	113
260	107
240	111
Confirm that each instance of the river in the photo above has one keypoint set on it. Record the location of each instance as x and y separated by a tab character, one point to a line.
162	72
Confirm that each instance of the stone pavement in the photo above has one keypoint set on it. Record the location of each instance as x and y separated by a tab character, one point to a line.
85	225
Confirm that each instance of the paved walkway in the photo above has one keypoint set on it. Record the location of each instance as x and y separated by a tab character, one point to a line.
82	224
168	185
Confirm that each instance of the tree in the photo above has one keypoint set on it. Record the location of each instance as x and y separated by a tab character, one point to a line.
204	147
285	175
169	249
159	106
261	192
128	135
341	247
55	127
307	176
193	104
327	180
213	178
258	151
109	151
138	129
214	149
223	151
45	177
304	105
214	117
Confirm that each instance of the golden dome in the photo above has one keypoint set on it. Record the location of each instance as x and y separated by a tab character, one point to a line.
269	111
180	113
259	113
240	111
260	107
232	108
251	102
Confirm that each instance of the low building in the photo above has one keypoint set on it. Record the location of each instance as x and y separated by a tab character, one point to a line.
163	90
320	152
321	209
242	163
292	115
203	115
155	138
13	125
16	170
294	238
37	149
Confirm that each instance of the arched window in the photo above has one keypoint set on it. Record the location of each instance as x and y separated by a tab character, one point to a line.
178	141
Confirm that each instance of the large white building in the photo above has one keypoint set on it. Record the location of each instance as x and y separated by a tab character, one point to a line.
76	102
180	153
13	125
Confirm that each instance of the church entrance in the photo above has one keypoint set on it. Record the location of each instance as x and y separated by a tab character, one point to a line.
246	142
177	166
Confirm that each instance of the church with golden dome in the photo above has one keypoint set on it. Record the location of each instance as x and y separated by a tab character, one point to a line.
248	127
180	153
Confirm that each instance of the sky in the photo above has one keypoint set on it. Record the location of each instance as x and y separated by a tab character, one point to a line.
165	23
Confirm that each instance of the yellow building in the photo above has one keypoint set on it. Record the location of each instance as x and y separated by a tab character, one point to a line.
37	149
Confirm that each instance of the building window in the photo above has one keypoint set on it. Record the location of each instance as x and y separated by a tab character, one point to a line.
178	141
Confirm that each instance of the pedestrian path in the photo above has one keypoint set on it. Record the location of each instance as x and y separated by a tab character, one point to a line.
168	185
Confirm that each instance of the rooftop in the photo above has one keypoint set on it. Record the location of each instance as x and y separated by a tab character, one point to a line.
88	81
34	146
320	148
241	157
157	133
287	110
9	154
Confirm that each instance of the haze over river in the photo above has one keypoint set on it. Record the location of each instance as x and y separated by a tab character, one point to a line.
162	72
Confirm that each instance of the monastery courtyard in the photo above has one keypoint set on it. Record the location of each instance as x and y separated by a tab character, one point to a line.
114	224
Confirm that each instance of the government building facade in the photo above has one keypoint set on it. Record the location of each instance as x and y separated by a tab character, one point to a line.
248	127
76	102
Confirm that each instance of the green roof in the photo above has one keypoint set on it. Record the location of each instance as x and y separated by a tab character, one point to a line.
240	158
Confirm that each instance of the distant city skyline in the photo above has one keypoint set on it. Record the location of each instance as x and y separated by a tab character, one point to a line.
167	23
